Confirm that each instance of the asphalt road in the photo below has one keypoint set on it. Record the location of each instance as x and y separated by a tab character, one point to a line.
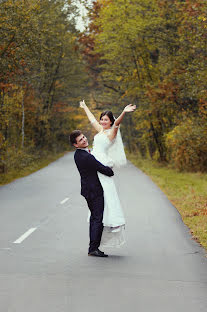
44	264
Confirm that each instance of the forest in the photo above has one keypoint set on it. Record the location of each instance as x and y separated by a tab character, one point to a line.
152	53
41	78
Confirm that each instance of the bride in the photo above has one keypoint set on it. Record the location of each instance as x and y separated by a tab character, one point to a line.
108	149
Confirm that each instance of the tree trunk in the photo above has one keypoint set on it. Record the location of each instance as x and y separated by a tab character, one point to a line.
23	121
158	143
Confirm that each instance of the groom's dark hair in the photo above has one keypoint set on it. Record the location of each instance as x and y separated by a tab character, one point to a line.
74	135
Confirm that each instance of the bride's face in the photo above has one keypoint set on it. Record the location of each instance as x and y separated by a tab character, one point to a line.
105	122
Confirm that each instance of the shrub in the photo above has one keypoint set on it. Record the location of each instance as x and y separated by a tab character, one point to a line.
187	148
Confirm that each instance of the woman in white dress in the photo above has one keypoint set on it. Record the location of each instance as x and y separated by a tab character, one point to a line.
108	149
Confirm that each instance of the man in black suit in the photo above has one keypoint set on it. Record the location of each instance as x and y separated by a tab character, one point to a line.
91	188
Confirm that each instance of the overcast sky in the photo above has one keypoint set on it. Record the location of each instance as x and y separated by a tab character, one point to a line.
83	12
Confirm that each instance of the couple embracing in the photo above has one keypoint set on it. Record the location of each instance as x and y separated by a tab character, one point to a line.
106	216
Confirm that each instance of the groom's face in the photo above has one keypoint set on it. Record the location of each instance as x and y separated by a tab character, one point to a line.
81	141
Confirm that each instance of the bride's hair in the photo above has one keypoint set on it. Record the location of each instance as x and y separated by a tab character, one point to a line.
110	115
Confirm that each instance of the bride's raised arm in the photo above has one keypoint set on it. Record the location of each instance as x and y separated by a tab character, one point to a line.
129	108
91	117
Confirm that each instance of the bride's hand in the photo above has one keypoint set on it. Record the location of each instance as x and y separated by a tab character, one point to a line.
129	108
82	104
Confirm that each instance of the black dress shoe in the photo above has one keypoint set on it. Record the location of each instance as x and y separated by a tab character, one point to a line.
97	253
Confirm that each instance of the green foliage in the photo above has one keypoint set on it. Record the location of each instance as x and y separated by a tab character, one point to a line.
151	53
41	76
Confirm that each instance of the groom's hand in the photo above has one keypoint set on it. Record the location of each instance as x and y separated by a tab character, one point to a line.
112	173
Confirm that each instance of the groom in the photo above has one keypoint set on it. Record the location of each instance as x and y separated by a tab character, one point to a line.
91	188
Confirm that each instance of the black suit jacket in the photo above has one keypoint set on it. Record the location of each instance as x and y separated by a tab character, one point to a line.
88	167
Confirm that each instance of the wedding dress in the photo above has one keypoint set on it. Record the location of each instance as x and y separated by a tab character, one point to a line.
113	218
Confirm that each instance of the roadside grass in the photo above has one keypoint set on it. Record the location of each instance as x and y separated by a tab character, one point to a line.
33	163
186	191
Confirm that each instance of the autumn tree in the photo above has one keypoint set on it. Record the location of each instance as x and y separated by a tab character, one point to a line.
41	78
152	53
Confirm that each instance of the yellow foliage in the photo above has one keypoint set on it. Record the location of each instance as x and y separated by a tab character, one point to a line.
187	148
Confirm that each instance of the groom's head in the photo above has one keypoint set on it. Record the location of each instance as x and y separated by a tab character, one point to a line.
78	139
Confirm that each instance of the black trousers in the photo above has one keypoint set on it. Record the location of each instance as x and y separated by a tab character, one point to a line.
96	207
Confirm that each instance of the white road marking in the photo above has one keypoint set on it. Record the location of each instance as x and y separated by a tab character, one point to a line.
24	236
64	200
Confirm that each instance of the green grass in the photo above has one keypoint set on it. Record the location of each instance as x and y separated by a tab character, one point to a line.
35	162
186	191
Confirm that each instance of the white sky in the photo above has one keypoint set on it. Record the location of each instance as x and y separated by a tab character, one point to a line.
83	12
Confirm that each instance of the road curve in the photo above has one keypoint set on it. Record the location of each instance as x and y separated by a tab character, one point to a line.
44	239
